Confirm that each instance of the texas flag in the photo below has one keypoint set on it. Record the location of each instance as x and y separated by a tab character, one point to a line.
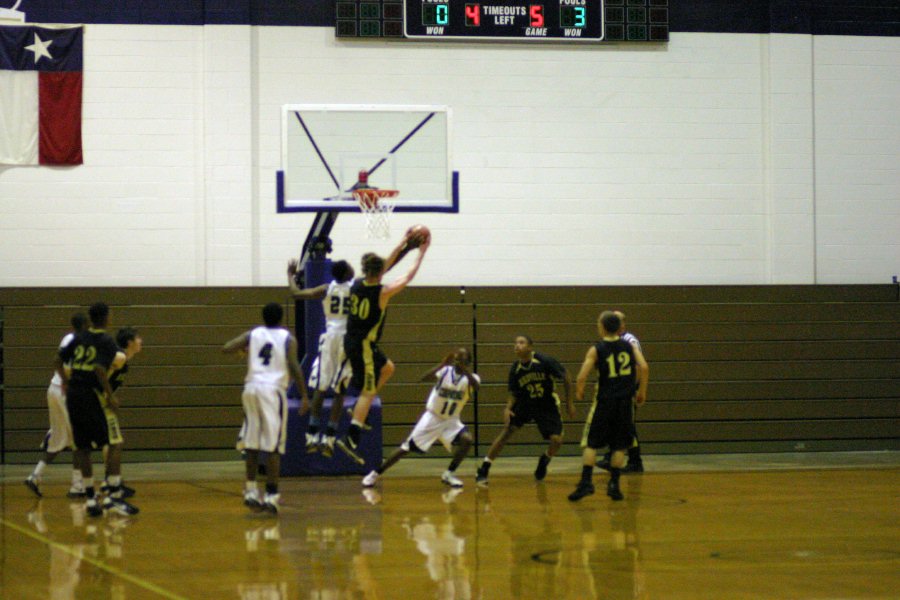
40	94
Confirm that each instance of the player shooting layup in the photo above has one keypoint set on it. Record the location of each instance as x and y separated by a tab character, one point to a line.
368	305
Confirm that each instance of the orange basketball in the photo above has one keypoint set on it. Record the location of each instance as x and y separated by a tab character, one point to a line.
418	235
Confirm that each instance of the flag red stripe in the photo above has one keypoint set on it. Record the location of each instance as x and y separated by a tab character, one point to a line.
60	118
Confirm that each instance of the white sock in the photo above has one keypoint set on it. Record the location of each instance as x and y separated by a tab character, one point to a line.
76	478
487	460
39	469
251	486
357	423
114	480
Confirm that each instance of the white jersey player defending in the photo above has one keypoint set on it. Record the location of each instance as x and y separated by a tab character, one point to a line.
331	370
271	363
59	437
440	421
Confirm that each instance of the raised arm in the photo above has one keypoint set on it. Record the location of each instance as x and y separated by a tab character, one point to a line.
397	253
393	288
474	382
429	375
316	293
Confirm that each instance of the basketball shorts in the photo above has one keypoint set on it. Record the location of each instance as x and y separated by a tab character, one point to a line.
89	427
331	370
610	422
545	416
265	417
367	360
431	428
60	435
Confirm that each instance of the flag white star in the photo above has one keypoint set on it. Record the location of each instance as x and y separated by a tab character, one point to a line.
39	47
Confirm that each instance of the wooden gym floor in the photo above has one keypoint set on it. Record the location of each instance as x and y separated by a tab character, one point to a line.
735	526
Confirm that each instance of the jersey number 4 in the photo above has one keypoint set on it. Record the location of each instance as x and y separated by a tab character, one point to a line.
265	353
622	360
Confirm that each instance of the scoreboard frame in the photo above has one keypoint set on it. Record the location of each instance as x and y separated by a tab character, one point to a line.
459	11
505	21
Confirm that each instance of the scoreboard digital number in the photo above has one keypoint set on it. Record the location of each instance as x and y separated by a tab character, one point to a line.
556	20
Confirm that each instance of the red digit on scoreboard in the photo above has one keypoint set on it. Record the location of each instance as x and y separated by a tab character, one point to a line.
473	15
536	12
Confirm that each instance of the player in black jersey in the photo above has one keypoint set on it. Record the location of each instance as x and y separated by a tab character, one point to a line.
368	306
620	365
91	353
129	343
532	397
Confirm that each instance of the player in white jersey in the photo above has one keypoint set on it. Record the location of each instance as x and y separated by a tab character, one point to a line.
635	462
59	437
271	363
454	387
331	370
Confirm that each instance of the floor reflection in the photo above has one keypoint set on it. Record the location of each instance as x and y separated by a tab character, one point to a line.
442	540
610	552
331	544
83	554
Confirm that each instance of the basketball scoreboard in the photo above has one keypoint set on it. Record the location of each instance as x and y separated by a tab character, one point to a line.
505	20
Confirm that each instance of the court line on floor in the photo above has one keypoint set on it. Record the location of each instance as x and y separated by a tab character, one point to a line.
97	563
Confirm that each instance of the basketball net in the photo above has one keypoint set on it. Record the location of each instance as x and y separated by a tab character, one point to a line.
377	211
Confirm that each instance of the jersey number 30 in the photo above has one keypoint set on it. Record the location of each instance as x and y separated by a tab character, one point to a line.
359	308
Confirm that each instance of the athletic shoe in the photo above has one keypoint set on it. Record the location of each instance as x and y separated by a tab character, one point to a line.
541	470
370	479
583	489
448	478
126	492
92	508
117	505
365	426
270	503
33	484
350	449
312	443
326	447
613	491
634	466
251	500
481	477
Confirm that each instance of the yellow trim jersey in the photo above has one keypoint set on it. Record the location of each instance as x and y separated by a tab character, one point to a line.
366	320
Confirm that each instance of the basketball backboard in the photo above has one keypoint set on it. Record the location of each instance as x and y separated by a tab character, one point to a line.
404	148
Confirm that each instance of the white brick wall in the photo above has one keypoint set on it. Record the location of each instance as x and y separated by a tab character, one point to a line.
718	159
